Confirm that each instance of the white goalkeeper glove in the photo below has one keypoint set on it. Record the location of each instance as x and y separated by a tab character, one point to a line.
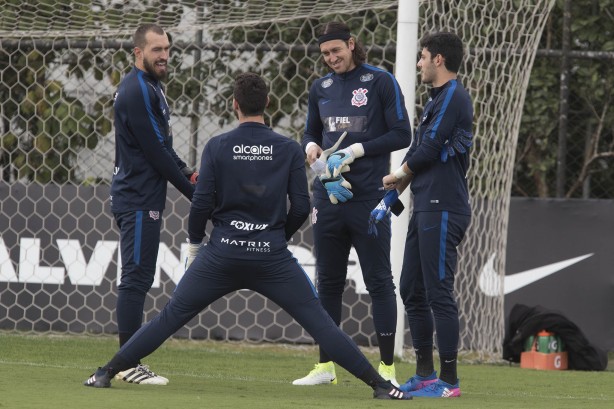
342	158
193	249
319	165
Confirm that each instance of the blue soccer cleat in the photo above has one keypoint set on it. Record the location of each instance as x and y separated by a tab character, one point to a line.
439	389
418	382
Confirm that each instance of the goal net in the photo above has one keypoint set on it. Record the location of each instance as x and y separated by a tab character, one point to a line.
60	62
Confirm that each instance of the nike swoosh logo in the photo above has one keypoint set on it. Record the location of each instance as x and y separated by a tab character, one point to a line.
490	281
430	228
325	101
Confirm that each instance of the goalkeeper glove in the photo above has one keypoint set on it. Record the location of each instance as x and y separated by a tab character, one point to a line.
389	203
338	188
344	157
319	165
192	253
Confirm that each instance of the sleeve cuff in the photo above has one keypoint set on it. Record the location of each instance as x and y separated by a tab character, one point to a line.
358	150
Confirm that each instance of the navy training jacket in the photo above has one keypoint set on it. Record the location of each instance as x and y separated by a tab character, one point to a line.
144	155
247	177
439	154
367	102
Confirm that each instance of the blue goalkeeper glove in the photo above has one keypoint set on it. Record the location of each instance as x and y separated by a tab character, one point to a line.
342	158
384	207
338	188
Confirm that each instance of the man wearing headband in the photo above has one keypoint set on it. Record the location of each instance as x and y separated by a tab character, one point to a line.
363	105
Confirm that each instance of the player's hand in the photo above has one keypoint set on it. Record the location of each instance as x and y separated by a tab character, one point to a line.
382	210
317	158
344	157
194	178
313	153
390	182
193	249
338	188
190	174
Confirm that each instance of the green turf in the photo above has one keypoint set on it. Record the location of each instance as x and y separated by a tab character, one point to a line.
46	371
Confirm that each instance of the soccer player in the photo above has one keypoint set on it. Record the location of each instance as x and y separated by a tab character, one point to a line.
367	103
144	162
247	176
436	165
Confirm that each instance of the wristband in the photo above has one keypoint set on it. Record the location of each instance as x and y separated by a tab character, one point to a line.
399	173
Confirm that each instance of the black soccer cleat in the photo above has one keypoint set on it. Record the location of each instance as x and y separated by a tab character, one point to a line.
99	379
386	390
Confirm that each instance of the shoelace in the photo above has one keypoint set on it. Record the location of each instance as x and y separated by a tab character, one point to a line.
146	370
432	387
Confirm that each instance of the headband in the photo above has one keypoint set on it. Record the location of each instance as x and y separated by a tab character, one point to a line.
338	35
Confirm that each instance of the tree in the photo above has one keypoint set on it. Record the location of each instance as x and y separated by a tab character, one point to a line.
590	131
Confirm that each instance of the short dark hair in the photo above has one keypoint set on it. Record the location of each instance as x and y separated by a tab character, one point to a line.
448	45
139	39
250	92
359	54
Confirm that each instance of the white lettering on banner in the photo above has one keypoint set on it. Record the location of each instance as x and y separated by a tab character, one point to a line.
80	272
557	361
29	269
7	271
83	272
167	261
307	260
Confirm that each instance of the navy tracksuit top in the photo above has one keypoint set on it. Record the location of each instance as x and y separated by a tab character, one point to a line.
367	102
144	155
439	154
247	176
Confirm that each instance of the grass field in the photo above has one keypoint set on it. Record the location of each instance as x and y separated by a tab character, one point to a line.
47	371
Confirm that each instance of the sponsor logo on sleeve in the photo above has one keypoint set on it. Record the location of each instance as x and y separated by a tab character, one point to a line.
366	77
327	83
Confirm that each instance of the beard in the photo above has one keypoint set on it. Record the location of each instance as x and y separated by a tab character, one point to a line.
150	68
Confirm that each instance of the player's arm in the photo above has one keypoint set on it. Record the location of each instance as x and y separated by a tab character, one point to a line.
445	114
148	130
203	202
297	195
398	135
399	179
187	171
311	142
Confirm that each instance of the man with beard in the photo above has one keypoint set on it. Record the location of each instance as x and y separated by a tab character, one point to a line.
144	162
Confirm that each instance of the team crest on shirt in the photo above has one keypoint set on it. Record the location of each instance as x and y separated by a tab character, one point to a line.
360	97
314	216
366	77
327	83
154	214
